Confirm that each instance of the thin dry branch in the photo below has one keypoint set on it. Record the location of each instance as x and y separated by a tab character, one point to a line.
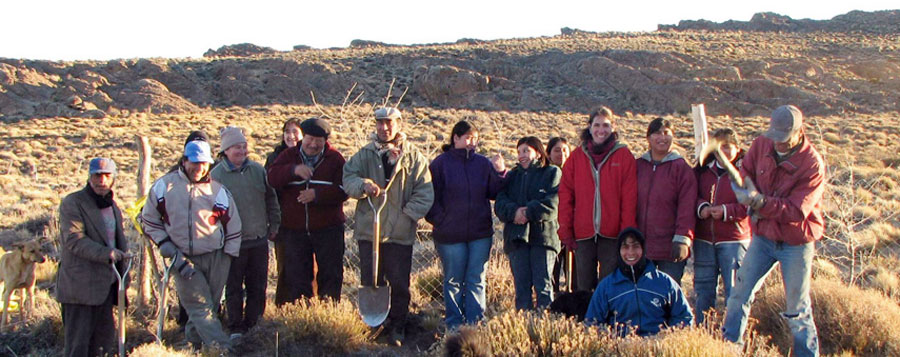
397	105
387	98
316	104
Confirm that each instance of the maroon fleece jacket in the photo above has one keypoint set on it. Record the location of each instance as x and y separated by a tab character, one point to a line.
326	211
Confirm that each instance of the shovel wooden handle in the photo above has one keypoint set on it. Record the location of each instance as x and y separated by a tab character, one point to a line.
570	262
376	237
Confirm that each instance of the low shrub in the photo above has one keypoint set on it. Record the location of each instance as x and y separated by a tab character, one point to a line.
531	334
429	282
848	319
156	350
334	327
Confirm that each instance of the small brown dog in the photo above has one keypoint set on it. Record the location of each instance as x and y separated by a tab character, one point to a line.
17	272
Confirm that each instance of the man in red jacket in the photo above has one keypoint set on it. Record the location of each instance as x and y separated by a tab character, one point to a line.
308	177
784	178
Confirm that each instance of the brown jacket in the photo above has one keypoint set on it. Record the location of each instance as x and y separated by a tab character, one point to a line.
85	275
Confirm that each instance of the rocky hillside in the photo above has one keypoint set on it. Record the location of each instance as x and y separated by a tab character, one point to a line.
825	67
879	22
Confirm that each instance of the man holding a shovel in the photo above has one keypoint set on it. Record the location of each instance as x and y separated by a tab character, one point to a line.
783	182
390	179
91	238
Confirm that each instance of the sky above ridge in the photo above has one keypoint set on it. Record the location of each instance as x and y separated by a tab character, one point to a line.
108	29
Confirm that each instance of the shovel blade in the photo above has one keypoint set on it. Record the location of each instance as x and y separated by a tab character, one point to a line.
374	304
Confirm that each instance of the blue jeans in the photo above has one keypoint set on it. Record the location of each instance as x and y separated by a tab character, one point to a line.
531	267
796	268
710	261
464	267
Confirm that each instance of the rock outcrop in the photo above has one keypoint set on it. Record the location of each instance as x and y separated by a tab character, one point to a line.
738	69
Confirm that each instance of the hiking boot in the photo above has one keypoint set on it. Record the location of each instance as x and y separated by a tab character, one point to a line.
235	338
396	336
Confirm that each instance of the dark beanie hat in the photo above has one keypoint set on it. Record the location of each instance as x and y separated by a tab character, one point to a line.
315	127
196	135
631	272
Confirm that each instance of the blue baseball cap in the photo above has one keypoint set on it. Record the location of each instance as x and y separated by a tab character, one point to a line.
102	165
198	151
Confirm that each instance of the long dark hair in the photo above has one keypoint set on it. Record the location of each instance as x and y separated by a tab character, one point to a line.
291	121
535	144
555	141
599	112
461	128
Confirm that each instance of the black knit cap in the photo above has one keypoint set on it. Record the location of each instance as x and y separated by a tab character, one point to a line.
635	271
315	127
196	135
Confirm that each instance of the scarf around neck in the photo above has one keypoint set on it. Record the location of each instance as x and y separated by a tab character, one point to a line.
102	201
393	149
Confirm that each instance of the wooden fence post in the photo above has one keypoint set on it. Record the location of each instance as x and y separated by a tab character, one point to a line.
143	187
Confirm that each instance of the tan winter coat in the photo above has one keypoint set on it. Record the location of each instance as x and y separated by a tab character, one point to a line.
198	217
409	197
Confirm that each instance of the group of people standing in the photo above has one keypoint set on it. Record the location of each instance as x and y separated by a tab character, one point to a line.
630	222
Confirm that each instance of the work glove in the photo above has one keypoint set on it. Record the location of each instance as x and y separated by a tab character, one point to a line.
184	267
748	195
167	249
680	252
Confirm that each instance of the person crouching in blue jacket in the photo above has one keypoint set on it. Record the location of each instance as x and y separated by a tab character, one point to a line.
637	294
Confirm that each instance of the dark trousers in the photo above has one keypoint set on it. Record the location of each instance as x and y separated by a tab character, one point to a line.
560	268
90	330
394	267
248	277
298	252
589	253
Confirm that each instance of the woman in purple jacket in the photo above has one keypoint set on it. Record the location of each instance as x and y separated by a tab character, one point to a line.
464	183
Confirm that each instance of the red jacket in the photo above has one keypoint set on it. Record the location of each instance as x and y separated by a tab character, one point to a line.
616	185
793	189
326	211
714	189
667	196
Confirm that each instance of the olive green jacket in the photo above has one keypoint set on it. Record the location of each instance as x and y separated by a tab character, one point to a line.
409	196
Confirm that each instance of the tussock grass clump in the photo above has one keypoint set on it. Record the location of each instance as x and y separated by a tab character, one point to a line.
500	289
429	282
881	275
334	327
847	319
38	336
156	350
518	333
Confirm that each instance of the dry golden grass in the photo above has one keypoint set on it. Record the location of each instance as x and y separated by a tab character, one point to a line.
519	333
848	319
155	350
428	284
331	327
42	160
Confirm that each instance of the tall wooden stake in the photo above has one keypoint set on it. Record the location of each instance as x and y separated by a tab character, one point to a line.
698	114
143	187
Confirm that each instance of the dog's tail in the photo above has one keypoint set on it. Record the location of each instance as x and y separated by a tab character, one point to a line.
467	342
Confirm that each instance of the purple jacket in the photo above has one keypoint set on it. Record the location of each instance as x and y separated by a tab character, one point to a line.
464	183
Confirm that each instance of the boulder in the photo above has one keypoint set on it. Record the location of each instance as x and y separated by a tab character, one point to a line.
448	85
151	95
239	50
